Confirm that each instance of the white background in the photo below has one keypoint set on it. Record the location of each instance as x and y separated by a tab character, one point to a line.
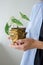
8	8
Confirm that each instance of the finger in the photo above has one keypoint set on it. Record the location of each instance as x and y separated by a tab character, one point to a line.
19	42
12	45
16	43
20	47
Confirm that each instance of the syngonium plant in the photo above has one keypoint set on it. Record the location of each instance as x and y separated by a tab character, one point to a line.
16	21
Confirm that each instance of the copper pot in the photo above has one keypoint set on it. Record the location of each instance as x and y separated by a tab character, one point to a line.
17	33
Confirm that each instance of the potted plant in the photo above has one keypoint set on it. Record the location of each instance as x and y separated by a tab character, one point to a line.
16	32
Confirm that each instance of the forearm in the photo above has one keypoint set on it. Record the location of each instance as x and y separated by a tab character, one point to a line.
38	44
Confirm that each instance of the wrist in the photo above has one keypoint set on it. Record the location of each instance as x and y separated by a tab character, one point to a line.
33	43
38	44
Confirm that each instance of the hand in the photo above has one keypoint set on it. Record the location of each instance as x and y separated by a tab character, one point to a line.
24	44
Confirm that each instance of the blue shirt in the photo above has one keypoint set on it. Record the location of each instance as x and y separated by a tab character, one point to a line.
33	30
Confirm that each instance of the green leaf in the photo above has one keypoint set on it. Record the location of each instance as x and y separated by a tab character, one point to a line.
17	22
7	28
24	16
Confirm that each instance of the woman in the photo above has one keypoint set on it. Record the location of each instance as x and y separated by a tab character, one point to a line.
33	43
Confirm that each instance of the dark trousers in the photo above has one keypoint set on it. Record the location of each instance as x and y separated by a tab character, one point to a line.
39	57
